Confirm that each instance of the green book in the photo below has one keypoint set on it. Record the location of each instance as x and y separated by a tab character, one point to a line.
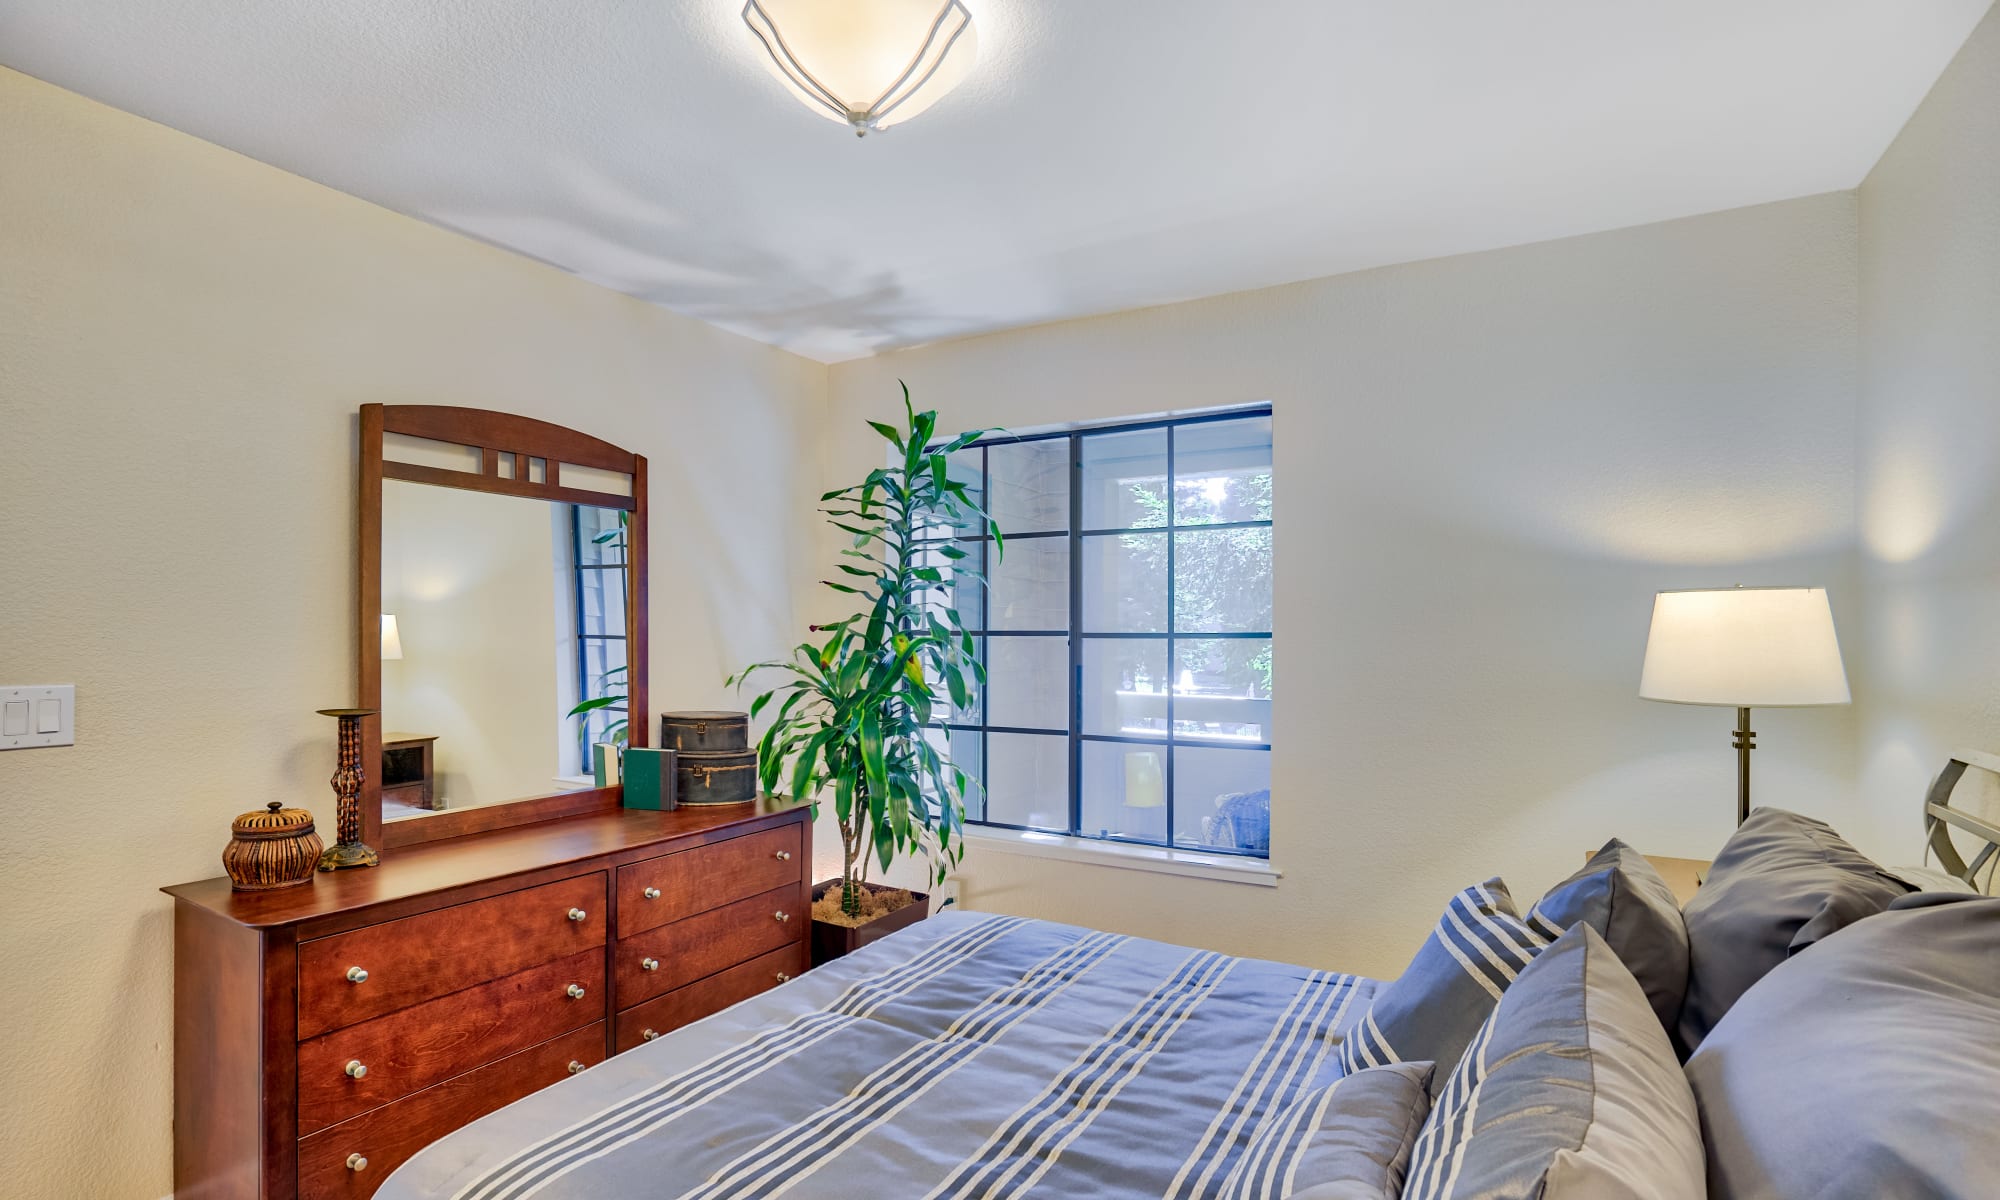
604	763
649	779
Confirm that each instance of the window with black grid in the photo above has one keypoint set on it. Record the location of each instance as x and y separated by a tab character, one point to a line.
1126	633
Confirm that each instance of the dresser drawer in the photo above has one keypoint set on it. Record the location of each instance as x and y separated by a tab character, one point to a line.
659	890
707	942
351	977
427	1043
389	1135
686	1005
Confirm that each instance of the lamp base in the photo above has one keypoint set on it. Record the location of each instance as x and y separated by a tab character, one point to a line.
342	855
1745	742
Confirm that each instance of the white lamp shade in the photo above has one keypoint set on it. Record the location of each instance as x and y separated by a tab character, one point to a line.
1744	648
867	63
392	638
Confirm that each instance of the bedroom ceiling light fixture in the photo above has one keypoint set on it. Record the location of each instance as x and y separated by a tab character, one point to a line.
869	64
1744	648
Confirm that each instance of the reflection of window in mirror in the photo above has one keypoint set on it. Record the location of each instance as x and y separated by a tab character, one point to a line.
509	611
596	572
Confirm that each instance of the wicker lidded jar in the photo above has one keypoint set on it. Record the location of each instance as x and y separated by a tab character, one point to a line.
274	848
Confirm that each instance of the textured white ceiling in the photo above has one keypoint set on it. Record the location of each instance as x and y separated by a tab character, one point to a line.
1105	154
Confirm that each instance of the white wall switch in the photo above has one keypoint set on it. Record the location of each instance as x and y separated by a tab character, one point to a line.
37	716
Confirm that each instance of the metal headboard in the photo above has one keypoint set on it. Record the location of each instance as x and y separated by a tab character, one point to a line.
1940	818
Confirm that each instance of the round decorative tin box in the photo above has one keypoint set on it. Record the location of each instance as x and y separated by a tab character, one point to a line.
705	732
724	778
274	848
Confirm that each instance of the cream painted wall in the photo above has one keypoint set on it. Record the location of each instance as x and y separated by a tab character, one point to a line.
185	335
1930	425
1486	466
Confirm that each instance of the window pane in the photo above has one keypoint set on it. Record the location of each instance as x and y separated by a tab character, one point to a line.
965	591
1222	580
960	748
1124	791
1030	585
1124	687
597	726
600	659
1222	689
1027	780
1125	479
1030	485
603	601
1027	682
945	709
593	524
1125	583
963	467
1222	798
1222	472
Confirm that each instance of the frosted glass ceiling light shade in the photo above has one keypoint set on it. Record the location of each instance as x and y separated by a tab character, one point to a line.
868	64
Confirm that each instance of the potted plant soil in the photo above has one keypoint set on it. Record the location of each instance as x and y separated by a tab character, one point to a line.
859	720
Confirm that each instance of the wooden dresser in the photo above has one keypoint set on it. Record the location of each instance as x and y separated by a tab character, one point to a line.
324	1034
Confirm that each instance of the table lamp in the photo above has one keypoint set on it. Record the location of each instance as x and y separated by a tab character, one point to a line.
392	638
1744	648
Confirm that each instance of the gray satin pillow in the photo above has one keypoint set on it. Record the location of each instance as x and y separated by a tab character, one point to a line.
1781	883
1349	1140
1868	1068
1620	895
1570	1091
1437	1003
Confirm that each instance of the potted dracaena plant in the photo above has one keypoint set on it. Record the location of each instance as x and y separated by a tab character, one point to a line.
859	718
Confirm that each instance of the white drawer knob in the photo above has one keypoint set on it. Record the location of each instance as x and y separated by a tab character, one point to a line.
649	964
782	916
652	893
784	978
356	1163
357	975
651	1035
574	991
575	1066
577	914
356	1069
784	856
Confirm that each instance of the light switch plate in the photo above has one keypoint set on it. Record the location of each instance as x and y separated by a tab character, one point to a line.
44	715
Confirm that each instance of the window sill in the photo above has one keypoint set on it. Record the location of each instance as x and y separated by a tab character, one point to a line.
1226	868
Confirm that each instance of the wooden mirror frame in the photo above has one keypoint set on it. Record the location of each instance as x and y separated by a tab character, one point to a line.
493	435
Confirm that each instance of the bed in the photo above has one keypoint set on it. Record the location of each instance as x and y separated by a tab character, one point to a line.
970	1055
1808	1024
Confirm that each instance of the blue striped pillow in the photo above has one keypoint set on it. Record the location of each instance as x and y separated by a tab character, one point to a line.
1569	1091
1351	1138
1438	1003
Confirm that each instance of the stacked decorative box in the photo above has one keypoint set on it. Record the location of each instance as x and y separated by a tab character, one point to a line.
713	759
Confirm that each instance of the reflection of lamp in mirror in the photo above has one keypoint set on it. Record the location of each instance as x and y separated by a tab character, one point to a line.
392	639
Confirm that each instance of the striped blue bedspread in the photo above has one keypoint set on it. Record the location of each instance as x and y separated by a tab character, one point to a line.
969	1056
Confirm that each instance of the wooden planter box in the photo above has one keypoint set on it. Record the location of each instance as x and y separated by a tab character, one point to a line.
830	941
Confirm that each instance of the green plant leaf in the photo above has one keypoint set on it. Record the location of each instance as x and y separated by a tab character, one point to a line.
595	703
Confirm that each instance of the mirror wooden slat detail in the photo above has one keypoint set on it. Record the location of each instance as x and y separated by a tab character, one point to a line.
514	456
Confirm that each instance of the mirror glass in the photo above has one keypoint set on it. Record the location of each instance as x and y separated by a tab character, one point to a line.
500	616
